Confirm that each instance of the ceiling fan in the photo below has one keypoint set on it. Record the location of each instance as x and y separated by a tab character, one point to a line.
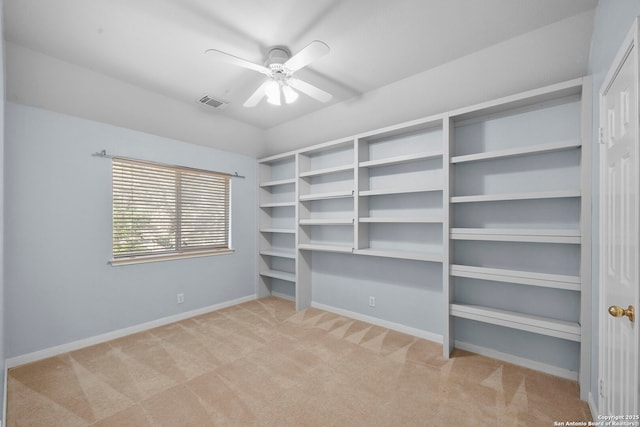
279	68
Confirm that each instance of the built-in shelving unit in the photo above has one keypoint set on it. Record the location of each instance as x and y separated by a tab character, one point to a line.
400	172
495	196
520	219
277	226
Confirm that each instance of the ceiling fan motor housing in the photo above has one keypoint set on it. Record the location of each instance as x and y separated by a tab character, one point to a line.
277	56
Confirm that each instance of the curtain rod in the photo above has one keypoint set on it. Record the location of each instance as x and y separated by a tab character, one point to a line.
103	154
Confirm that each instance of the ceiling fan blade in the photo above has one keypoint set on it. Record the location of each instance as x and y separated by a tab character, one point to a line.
256	96
231	59
314	50
310	90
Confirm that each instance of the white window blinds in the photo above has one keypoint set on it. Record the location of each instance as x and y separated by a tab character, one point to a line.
164	210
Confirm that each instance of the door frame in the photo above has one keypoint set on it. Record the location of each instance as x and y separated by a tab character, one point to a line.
630	42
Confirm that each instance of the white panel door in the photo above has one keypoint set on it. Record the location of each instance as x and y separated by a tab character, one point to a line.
619	234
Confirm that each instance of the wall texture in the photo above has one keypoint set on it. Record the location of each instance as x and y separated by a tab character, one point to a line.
613	19
59	287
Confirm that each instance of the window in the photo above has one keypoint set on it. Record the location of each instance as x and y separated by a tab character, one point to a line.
164	212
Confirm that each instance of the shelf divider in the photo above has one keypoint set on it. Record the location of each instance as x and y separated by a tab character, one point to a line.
278	230
328	195
400	190
517	196
282	275
326	221
525	322
520	151
415	256
277	204
324	248
278	182
402	220
556	281
278	253
568	236
326	171
425	155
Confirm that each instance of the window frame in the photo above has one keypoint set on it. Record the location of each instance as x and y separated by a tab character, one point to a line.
179	252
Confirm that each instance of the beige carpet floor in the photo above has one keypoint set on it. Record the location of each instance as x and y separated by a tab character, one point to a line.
263	364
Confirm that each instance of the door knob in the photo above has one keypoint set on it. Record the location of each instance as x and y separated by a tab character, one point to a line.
617	311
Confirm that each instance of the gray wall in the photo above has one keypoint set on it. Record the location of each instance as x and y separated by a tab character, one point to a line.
58	285
613	19
406	292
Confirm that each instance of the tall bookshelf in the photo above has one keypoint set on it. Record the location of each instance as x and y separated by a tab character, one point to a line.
277	226
498	194
520	223
399	185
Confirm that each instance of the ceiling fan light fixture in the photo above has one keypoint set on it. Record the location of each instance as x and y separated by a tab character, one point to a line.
272	90
279	68
290	95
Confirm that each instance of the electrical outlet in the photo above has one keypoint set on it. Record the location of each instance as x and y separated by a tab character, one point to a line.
180	298
372	301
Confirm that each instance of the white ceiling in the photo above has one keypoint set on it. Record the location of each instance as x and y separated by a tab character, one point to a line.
158	45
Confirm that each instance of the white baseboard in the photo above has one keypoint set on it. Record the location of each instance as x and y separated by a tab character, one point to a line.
380	322
99	339
520	361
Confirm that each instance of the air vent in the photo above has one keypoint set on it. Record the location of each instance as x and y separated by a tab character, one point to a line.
216	103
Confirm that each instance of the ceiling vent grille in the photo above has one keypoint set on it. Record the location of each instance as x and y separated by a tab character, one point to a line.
216	103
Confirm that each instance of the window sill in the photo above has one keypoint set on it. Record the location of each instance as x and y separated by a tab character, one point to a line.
167	257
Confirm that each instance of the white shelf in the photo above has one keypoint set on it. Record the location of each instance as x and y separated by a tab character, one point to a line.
326	171
282	275
323	196
278	158
545	280
416	256
326	221
401	159
325	248
517	235
278	182
401	220
520	151
399	190
279	254
525	322
277	204
517	196
545	95
278	230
